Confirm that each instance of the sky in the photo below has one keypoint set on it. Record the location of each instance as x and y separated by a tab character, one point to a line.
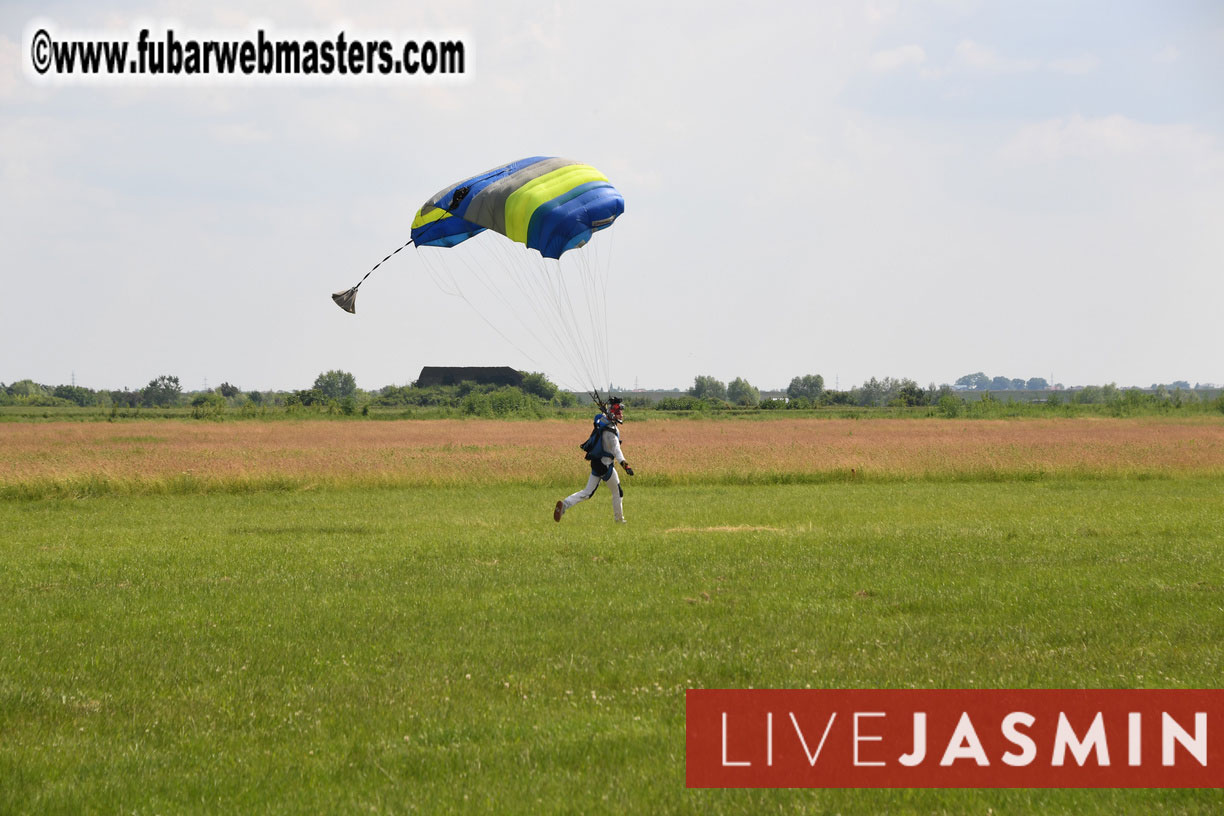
855	189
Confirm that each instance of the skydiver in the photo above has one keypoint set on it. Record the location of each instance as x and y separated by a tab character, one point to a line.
602	451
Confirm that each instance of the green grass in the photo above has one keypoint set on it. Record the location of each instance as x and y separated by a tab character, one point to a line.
434	650
970	405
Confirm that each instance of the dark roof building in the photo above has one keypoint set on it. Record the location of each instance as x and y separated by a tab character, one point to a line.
481	375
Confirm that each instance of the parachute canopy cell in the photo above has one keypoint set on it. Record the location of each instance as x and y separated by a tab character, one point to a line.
548	204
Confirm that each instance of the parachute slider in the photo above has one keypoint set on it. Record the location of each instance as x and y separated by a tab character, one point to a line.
347	300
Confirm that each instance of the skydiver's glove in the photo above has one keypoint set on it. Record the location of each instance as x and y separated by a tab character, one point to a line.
628	469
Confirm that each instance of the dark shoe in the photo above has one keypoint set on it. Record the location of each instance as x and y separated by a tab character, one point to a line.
558	511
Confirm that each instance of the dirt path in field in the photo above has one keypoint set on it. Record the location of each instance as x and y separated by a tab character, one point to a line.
450	451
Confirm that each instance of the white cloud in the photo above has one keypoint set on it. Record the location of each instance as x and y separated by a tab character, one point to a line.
977	57
895	58
1112	137
879	13
1083	64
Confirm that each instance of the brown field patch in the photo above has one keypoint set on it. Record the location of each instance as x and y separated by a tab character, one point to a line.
484	451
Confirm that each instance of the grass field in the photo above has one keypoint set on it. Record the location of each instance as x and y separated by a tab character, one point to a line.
383	617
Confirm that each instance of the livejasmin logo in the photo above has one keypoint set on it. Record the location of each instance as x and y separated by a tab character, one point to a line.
1038	738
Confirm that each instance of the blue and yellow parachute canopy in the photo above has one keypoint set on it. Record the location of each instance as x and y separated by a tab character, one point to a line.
549	204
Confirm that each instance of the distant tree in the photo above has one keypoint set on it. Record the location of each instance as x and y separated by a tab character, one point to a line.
1037	384
707	387
311	396
539	385
1017	384
255	397
226	390
809	386
1089	395
685	403
162	391
933	394
27	388
1000	383
125	397
884	392
909	394
977	381
1180	384
206	404
1185	397
873	392
75	393
336	384
741	392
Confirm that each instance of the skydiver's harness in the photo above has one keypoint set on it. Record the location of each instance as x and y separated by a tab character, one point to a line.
595	451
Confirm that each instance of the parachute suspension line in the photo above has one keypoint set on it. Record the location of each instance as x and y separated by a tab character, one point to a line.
606	271
586	350
597	301
532	286
526	281
347	300
477	264
564	308
540	284
492	272
459	294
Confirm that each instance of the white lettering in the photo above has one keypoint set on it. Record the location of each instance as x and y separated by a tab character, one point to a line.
1134	739
1171	732
726	762
1066	737
1028	748
964	744
858	739
813	757
769	739
919	753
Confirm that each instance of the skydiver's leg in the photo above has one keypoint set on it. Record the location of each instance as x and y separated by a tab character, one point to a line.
618	512
582	495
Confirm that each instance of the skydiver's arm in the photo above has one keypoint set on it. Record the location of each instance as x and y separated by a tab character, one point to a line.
612	447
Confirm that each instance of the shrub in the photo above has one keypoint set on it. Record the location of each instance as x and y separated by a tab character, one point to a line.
476	404
685	403
208	405
510	401
539	385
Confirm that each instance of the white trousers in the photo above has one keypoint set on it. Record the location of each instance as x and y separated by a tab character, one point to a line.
587	492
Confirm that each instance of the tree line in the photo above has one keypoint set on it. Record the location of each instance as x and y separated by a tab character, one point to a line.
337	391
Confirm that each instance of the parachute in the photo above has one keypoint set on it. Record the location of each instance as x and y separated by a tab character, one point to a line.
549	205
517	240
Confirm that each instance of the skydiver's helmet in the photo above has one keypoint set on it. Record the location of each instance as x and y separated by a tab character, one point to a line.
614	410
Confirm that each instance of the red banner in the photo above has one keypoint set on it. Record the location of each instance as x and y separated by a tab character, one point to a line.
953	738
